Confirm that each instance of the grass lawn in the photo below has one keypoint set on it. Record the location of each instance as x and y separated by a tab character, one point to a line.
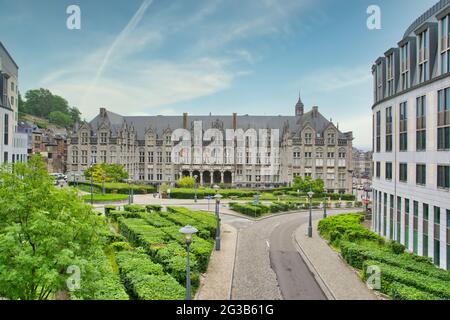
105	197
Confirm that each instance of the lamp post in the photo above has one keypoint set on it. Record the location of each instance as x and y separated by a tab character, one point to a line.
324	204
218	197
188	231
92	183
216	188
129	191
310	195
195	187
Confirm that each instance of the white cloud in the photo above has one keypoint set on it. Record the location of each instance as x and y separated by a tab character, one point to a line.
328	80
361	126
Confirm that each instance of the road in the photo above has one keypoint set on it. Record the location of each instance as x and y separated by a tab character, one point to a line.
268	265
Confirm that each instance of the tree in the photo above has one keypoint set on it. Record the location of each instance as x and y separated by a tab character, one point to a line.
114	172
75	114
60	118
43	231
99	175
306	184
186	182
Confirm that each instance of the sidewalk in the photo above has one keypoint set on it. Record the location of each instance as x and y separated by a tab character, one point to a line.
337	280
216	283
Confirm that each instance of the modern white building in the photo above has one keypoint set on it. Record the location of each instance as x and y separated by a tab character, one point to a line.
411	138
13	145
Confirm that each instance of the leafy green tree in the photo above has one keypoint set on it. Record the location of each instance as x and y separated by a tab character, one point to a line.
114	172
99	175
186	182
60	118
43	231
75	114
306	184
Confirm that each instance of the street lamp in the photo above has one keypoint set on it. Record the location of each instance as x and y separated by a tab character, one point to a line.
325	204
130	199
92	183
188	231
195	187
216	187
218	197
310	195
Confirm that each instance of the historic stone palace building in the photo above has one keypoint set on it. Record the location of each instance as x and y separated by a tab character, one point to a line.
309	145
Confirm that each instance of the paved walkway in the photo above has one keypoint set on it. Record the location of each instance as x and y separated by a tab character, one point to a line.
337	280
216	283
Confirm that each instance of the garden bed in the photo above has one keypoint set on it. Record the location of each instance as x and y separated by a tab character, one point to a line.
403	275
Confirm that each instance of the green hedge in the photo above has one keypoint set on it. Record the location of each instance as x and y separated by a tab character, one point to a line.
98	197
402	292
103	283
109	208
347	228
146	280
134	208
355	255
115	215
390	274
141	234
203	221
120	188
203	193
153	208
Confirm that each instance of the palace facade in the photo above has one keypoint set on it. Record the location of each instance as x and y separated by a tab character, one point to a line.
308	145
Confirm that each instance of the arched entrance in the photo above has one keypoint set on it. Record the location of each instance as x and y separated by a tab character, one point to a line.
196	174
217	177
186	173
206	177
227	177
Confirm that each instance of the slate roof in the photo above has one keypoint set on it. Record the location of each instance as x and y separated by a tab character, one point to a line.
159	123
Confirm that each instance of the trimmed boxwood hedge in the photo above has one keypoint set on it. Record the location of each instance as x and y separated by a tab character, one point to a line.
390	274
120	188
134	208
400	291
146	280
355	255
115	215
153	208
203	193
103	284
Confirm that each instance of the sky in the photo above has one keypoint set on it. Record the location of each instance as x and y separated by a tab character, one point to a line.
151	57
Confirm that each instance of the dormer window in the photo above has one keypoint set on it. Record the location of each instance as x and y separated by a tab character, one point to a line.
379	81
390	74
84	138
308	138
423	56
444	44
103	137
404	66
331	138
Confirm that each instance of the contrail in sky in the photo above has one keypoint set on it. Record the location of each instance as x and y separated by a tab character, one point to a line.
123	35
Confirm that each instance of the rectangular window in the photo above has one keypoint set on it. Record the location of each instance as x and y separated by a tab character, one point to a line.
378	133
437	235
398	217
425	229
406	223
6	130
421	174
404	66
389	129
403	127
378	170
421	123
415	226
388	170
443	177
403	171
443	122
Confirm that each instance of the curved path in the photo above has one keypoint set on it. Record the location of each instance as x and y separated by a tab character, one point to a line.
268	265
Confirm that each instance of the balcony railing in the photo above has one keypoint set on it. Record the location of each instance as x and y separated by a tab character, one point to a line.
319	142
342	142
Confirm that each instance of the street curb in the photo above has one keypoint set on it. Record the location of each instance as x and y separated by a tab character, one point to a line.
230	290
323	285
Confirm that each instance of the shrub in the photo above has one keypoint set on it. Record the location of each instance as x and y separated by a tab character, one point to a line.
134	208
146	280
120	188
402	292
109	208
138	232
115	215
121	246
153	208
396	247
98	197
390	274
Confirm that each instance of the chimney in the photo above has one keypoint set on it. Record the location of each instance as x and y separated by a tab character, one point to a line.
315	111
185	120
102	112
234	121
